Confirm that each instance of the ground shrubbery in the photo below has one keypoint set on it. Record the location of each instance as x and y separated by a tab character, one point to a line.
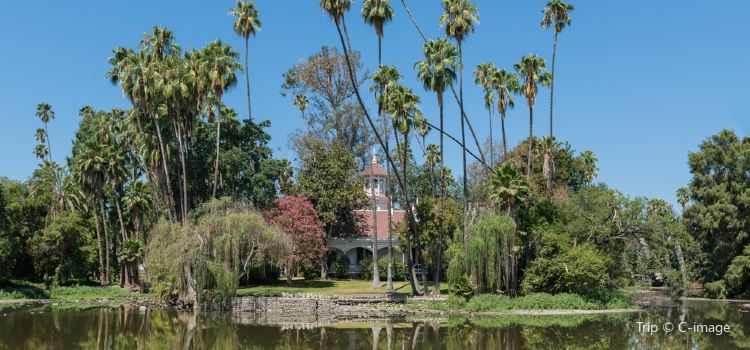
581	270
399	269
536	301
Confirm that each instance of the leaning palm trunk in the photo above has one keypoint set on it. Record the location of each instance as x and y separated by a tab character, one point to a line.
168	183
409	211
463	141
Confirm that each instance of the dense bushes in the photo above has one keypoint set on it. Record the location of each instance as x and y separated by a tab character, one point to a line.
399	269
536	301
581	270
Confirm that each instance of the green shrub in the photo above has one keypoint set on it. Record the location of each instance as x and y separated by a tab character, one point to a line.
581	270
340	268
544	301
311	273
715	290
399	269
365	268
463	288
674	282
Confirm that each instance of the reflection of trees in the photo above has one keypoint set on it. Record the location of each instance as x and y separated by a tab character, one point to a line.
127	327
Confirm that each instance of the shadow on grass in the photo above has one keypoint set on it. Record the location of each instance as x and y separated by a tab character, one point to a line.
24	291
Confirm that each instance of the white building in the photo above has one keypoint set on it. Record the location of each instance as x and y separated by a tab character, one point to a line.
355	249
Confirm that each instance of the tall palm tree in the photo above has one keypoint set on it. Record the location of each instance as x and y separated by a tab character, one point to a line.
589	162
557	14
246	24
384	79
460	19
436	72
222	67
90	168
532	69
508	188
45	113
403	106
505	85
484	76
376	13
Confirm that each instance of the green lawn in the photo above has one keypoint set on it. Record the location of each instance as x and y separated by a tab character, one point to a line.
26	290
328	287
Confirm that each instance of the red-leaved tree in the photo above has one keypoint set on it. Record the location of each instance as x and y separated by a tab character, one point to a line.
296	216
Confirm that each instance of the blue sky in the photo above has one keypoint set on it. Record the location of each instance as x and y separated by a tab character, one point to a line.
640	83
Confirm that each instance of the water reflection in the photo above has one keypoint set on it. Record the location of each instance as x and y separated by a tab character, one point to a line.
126	327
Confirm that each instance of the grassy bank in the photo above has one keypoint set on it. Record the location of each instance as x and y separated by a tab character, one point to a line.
536	301
26	290
328	287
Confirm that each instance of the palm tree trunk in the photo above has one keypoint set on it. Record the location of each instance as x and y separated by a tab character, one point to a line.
492	142
123	234
99	248
375	272
107	245
389	278
552	84
531	142
218	138
375	267
247	77
441	215
463	141
168	183
49	147
505	144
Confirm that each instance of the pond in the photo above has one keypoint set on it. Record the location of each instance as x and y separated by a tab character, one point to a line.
76	326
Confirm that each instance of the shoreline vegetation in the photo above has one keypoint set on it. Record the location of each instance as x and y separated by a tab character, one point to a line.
182	196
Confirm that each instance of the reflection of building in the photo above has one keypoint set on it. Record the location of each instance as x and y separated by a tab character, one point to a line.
355	249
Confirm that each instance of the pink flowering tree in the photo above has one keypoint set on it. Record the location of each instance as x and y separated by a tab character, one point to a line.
296	216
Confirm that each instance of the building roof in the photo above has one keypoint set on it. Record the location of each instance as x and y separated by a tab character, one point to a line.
377	170
382	221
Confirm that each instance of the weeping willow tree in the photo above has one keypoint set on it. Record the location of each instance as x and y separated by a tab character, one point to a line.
490	254
201	263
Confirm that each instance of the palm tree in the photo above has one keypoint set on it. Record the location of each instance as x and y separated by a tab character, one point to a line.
589	163
460	18
683	197
403	106
557	14
376	13
137	203
245	25
90	168
484	76
508	188
385	78
337	9
301	102
432	157
532	69
45	113
222	67
505	84
436	72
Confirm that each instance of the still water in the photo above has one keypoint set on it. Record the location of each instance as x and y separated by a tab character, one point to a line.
132	327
